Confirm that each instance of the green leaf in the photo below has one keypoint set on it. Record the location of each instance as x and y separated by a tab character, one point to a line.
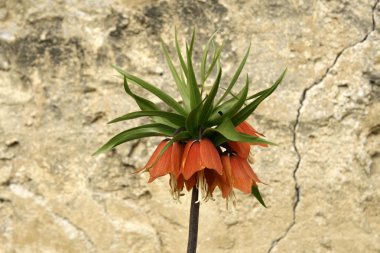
176	119
156	91
192	121
180	84
236	106
223	107
236	75
204	58
208	104
215	59
192	42
258	94
228	131
234	97
255	192
195	96
143	103
146	105
180	57
148	130
244	113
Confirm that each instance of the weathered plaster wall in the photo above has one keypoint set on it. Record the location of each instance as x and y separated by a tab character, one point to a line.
57	91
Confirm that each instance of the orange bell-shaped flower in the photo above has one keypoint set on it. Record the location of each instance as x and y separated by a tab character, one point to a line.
200	155
246	128
243	177
242	149
169	162
224	182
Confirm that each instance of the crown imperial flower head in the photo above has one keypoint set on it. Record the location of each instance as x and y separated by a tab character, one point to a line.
207	139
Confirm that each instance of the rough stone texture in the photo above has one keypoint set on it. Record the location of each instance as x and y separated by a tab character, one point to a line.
57	91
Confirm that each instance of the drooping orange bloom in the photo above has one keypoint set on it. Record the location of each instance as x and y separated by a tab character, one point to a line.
246	128
198	163
242	149
168	163
224	181
161	166
243	177
210	150
237	174
200	155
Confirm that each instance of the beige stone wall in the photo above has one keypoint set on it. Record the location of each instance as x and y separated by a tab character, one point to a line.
58	90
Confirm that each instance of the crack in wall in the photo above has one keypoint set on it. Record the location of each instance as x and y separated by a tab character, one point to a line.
297	187
133	148
72	229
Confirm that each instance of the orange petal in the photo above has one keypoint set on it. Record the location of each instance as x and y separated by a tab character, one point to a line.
210	156
180	182
162	167
191	182
186	153
224	181
191	163
210	176
246	128
249	171
241	179
153	157
156	153
176	157
240	148
227	168
177	186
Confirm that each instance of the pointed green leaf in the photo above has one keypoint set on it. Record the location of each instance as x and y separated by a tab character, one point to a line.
180	57
195	95
148	130
180	84
234	97
223	107
156	91
236	106
236	75
191	48
215	59
258	94
208	104
256	193
146	105
176	119
192	121
143	103
204	58
227	129
244	113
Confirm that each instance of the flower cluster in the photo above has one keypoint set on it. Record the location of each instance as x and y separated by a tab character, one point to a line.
199	163
207	138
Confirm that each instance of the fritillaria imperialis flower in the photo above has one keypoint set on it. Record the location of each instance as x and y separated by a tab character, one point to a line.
199	161
207	140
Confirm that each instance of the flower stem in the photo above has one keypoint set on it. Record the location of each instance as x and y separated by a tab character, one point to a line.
193	223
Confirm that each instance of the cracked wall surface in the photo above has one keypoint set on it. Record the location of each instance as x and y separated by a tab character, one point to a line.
58	90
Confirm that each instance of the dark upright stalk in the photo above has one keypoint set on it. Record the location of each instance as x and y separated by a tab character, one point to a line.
193	223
